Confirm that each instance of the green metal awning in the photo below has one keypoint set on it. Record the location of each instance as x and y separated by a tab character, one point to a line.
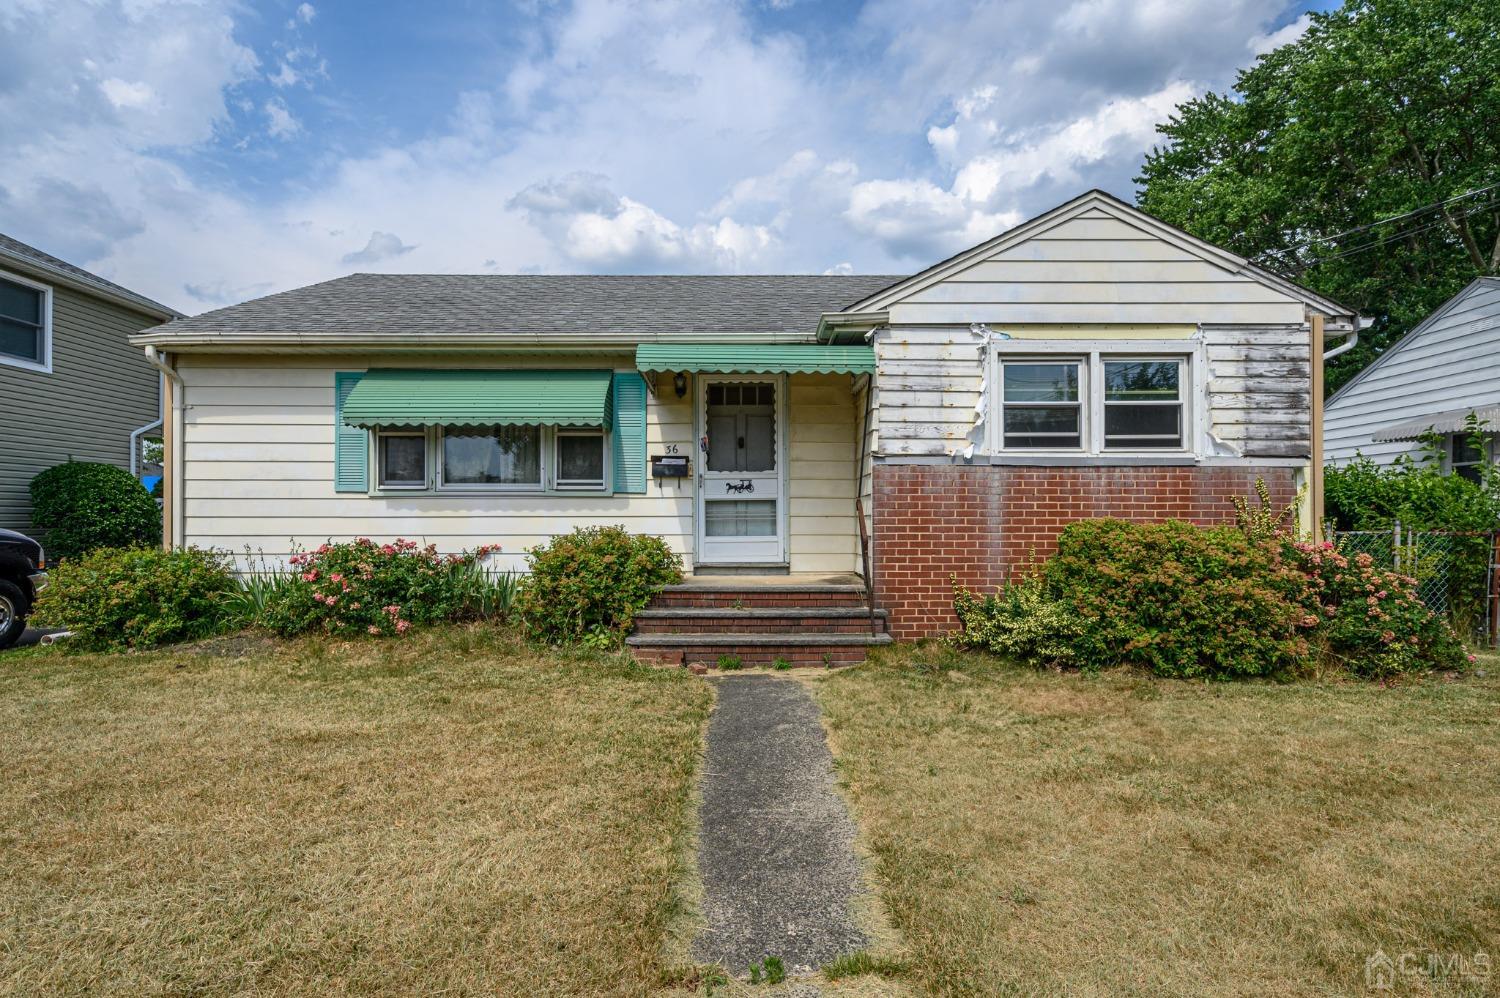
405	397
755	358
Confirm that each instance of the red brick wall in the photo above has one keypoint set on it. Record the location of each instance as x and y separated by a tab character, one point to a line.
979	522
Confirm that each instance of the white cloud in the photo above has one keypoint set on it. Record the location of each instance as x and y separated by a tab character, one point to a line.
666	135
597	229
122	94
1061	151
280	123
916	219
382	246
1261	44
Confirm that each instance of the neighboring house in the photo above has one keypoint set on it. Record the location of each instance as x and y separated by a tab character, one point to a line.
75	389
1429	382
1091	362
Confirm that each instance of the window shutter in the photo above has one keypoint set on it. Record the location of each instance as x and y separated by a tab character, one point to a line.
351	444
629	427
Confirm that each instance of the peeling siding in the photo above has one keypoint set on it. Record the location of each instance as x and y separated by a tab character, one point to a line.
1260	389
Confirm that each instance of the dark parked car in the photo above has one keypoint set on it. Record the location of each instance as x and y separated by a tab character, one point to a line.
22	576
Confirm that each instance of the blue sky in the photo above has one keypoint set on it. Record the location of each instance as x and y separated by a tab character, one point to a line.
207	151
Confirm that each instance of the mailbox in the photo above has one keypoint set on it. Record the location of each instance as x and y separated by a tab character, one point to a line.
669	466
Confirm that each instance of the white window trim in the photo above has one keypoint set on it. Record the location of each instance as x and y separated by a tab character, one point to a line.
1092	354
434	484
1082	404
379	478
1184	390
45	367
581	485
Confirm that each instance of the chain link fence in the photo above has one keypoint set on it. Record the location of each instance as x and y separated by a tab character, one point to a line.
1456	573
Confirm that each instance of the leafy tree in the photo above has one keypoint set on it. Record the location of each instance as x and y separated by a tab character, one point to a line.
1361	160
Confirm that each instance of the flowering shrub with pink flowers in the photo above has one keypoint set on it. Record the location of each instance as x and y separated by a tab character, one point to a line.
1371	620
1193	602
367	587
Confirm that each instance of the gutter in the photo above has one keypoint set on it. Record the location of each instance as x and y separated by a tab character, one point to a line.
123	297
1351	339
175	459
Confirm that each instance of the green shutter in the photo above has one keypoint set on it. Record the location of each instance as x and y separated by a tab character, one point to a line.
351	444
630	433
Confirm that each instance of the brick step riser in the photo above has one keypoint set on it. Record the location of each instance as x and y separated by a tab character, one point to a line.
798	657
766	625
733	600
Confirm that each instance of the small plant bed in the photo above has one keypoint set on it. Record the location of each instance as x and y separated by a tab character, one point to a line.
454	812
1044	832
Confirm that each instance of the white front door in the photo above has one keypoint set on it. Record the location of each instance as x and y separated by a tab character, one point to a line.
742	444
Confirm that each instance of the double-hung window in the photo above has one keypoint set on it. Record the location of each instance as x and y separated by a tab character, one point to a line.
1042	404
1143	404
1093	402
25	323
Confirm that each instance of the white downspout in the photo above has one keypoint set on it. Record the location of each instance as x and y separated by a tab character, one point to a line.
176	457
1351	339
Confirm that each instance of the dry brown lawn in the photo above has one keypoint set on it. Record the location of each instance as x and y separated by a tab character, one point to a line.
452	814
1037	833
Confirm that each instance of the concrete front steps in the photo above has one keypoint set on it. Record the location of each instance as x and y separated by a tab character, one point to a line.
822	622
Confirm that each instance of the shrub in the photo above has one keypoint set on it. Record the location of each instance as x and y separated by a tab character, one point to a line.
1020	622
83	507
136	597
589	585
1373	623
1192	602
362	587
1180	600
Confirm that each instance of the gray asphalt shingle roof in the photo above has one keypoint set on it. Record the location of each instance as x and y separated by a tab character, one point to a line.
433	304
25	255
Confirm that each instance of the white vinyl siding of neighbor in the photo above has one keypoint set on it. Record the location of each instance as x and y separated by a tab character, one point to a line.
259	470
1097	277
1450	361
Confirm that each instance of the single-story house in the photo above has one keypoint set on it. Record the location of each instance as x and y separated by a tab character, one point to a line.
1429	382
1093	361
75	389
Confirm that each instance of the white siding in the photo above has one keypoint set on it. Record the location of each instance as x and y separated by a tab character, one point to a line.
259	452
259	475
1452	363
1096	276
1259	389
1096	268
930	379
823	457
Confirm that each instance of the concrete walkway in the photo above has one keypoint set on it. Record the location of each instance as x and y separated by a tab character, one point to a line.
775	842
